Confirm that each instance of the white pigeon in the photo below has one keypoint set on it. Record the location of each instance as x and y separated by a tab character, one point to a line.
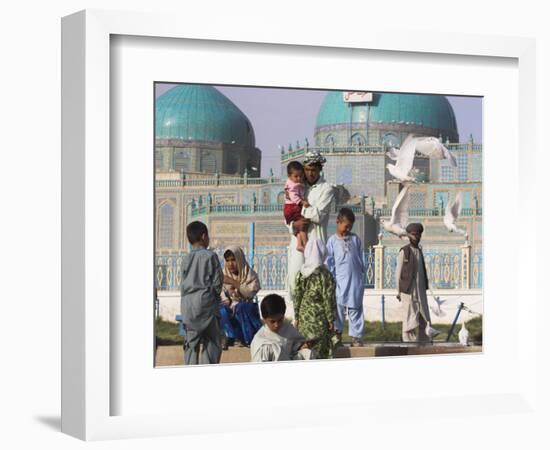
399	214
431	332
405	158
463	334
434	149
393	153
452	211
437	308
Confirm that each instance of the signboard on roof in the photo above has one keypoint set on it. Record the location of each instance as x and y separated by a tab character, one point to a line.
357	97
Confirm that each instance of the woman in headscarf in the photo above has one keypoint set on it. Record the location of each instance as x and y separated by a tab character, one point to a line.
315	299
239	314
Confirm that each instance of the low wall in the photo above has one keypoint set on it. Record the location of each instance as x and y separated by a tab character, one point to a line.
169	304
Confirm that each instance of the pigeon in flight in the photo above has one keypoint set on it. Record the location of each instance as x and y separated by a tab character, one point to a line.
393	153
399	214
404	156
434	149
404	162
452	211
437	308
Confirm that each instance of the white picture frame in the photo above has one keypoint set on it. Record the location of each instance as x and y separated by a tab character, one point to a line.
89	323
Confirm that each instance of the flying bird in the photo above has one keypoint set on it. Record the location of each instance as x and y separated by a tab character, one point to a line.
434	149
404	156
399	214
452	211
404	162
463	334
437	308
393	153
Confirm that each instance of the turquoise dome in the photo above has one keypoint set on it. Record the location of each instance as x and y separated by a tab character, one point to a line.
201	113
432	111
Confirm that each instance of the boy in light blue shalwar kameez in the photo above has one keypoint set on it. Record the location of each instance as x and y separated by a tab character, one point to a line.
345	261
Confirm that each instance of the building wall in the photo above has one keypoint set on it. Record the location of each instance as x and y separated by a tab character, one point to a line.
169	304
233	206
374	134
180	193
247	212
206	157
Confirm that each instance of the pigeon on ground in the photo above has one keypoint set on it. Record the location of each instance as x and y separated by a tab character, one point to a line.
463	334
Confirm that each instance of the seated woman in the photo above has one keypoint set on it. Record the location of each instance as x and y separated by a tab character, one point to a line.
240	318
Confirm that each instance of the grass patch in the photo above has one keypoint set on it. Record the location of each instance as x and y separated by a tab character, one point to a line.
167	333
392	331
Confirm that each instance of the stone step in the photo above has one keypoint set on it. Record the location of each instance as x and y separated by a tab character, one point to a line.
172	355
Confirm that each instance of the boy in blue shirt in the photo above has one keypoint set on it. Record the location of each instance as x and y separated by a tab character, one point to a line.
345	261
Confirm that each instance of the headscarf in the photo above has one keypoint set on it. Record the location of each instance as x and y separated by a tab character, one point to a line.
412	227
314	255
247	278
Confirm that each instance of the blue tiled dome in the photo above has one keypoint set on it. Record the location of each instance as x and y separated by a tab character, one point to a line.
201	113
432	111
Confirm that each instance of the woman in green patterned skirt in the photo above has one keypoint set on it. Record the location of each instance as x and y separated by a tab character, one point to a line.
315	299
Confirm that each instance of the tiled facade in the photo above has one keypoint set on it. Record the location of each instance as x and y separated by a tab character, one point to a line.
193	181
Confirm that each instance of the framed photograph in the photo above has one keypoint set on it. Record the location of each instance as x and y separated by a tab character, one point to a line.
220	166
143	158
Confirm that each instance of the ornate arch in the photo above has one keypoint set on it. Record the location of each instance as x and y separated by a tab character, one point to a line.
330	141
358	139
166	221
208	162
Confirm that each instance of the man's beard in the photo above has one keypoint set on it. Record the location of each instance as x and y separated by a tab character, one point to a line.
316	180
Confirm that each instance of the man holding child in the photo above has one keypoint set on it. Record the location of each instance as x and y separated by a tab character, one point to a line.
319	195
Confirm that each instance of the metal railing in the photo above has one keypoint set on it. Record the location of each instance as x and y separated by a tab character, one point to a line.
443	267
360	209
216	180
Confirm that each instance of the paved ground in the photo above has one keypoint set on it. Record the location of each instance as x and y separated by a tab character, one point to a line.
172	355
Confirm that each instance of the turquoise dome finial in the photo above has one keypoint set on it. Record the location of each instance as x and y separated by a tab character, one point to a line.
201	113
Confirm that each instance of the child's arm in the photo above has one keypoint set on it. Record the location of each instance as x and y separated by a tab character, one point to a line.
287	195
330	258
361	254
310	343
262	353
296	193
